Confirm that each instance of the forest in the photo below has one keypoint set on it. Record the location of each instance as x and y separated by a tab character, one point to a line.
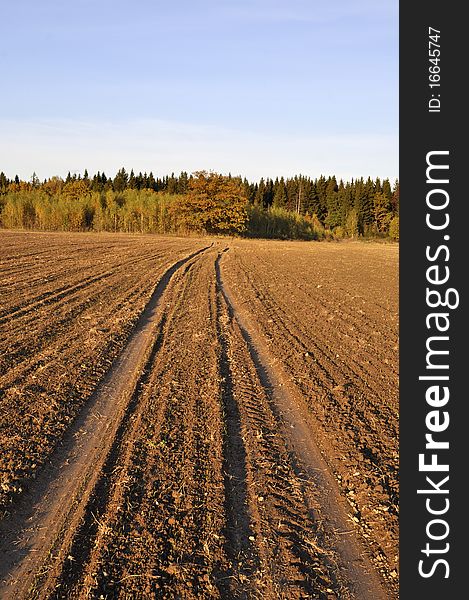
203	203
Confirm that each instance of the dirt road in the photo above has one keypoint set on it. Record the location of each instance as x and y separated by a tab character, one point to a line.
193	468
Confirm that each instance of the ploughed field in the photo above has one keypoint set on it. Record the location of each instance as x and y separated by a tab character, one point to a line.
197	418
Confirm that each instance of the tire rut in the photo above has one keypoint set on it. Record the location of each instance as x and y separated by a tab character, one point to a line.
283	514
190	473
354	572
239	548
47	516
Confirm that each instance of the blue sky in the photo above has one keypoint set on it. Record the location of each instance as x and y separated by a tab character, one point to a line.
251	87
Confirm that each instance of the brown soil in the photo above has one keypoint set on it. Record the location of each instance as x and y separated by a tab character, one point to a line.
329	316
191	449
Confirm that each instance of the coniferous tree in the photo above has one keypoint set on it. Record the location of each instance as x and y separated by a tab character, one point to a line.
378	188
3	182
183	182
334	216
120	180
291	193
382	213
107	182
395	198
260	193
151	182
356	207
311	201
35	183
96	185
249	190
132	180
269	193
387	191
321	191
344	202
172	187
302	187
363	204
280	194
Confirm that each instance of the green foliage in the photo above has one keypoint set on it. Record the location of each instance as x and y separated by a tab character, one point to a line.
120	180
18	210
339	233
3	183
351	223
382	214
394	228
333	203
297	207
279	223
280	194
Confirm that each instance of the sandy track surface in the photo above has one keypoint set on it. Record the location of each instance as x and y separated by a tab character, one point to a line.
193	469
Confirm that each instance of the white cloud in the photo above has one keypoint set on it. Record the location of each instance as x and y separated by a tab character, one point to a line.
53	147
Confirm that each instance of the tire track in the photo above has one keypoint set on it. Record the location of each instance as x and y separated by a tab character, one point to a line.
191	473
41	526
361	580
52	366
355	412
283	512
59	581
164	522
36	344
244	559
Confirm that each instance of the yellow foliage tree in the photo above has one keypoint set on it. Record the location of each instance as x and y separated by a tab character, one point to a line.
214	204
76	205
76	190
394	228
53	186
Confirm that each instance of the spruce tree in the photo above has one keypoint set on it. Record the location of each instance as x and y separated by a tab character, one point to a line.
260	192
152	185
3	182
269	193
96	184
395	198
280	194
139	181
183	181
172	185
364	205
334	217
120	180
382	214
249	190
321	191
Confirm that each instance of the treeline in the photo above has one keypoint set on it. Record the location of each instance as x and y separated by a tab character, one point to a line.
297	208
